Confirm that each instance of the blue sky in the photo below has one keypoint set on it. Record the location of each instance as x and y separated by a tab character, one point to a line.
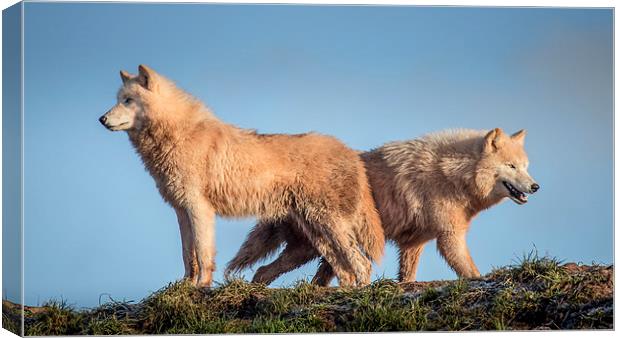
94	221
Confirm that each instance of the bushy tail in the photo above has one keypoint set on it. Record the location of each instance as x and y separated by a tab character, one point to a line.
370	231
261	242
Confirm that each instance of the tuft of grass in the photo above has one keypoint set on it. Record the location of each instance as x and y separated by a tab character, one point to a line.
57	319
299	309
531	268
536	293
107	326
112	318
178	308
380	306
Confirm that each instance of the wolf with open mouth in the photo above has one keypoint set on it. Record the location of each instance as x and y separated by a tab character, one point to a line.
424	189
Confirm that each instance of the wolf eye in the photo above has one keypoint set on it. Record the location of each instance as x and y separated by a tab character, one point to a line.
512	166
128	100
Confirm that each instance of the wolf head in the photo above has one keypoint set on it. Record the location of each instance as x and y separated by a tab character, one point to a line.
143	98
128	113
502	168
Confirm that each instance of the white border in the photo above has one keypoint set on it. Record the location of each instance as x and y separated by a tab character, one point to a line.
476	3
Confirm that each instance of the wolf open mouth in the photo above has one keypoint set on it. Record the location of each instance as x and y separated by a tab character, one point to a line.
515	194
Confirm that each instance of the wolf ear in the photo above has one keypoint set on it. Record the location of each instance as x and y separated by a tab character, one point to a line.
146	77
519	136
125	76
493	140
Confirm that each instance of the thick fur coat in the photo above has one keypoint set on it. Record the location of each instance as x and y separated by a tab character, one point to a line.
427	188
203	167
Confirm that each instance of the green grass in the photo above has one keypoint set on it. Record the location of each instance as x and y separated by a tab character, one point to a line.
535	293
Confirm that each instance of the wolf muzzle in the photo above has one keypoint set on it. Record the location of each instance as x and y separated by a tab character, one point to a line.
103	120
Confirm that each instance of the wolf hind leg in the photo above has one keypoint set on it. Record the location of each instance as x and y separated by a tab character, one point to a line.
261	242
292	257
340	249
324	274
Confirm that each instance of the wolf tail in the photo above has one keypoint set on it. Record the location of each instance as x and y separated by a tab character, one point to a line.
262	241
370	233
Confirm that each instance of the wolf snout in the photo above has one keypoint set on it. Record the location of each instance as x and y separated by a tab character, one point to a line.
534	187
103	120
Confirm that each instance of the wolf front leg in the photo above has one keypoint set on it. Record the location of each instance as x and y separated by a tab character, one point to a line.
187	244
453	247
409	257
202	220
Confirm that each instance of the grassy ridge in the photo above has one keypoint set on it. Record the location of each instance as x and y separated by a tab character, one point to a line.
537	293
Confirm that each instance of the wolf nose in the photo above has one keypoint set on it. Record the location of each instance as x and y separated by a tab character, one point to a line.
535	187
102	119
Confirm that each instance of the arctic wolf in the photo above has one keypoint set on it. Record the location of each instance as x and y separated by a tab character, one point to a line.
203	167
427	188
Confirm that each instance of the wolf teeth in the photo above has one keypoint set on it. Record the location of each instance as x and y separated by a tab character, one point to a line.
515	192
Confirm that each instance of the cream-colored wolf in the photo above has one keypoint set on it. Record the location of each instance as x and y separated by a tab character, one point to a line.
427	188
203	167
